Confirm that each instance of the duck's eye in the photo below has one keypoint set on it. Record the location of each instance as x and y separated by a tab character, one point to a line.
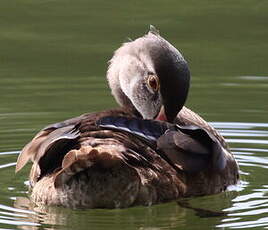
153	82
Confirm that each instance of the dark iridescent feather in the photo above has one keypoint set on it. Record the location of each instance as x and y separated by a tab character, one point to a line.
189	148
148	129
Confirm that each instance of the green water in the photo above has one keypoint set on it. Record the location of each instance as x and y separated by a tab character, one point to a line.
53	61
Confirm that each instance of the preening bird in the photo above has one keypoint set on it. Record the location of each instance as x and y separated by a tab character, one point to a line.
150	149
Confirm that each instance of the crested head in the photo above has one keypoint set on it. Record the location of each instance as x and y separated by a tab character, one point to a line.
147	74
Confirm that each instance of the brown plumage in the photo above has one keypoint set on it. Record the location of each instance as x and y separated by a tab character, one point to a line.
124	160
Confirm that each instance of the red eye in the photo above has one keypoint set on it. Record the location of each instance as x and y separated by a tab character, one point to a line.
153	82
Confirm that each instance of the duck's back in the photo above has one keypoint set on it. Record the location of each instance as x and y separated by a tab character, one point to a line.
95	162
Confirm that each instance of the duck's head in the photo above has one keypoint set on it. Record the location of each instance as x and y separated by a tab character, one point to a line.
151	76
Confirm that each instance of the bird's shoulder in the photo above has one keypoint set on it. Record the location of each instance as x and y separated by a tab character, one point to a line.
60	132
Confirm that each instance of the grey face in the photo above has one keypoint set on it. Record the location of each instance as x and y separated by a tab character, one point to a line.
134	68
134	82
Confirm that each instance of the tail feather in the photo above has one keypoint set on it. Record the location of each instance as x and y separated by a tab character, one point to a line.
76	161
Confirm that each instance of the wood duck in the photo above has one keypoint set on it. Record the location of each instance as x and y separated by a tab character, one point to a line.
151	149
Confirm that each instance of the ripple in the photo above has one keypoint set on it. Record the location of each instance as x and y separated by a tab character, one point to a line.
10	153
250	154
247	210
254	78
246	224
238	125
247	141
15	216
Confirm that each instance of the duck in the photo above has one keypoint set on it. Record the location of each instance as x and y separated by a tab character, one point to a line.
150	149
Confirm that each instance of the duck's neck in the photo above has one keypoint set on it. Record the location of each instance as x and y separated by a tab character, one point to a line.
131	110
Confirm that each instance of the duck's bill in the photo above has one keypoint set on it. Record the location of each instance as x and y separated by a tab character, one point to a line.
161	115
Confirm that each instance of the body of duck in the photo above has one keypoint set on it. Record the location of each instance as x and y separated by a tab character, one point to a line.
150	150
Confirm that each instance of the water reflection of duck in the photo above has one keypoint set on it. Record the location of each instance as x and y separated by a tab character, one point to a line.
150	150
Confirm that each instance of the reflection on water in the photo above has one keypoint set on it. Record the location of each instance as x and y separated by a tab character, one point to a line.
16	216
53	57
244	205
249	208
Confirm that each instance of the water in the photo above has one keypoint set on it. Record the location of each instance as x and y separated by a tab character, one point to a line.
53	57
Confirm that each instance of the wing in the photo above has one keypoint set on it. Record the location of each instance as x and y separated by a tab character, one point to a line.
54	133
192	149
149	130
188	148
56	144
187	117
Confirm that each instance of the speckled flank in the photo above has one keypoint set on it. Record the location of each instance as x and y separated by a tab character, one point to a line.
117	187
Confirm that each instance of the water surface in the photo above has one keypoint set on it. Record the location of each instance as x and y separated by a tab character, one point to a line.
53	58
